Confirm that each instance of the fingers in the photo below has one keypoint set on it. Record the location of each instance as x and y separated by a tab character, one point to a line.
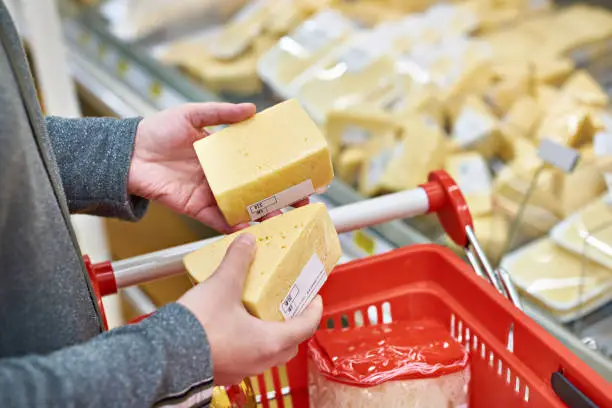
217	113
294	331
237	262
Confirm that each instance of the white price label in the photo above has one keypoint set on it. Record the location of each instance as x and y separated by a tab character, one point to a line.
306	286
281	200
602	144
474	177
471	127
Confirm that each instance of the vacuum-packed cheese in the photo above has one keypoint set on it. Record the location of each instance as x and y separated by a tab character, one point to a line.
265	163
295	253
556	278
588	232
393	365
476	127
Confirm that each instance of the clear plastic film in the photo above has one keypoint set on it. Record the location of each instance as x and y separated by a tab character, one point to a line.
302	47
134	19
390	365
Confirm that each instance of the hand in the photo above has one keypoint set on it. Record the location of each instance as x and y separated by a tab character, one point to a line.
243	345
165	167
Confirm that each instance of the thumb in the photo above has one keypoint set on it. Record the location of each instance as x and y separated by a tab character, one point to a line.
217	113
300	328
236	263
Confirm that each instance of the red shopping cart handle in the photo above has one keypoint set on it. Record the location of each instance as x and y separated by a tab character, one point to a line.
446	199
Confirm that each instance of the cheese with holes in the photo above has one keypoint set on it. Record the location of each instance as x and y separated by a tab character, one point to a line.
476	128
472	175
266	162
295	253
557	279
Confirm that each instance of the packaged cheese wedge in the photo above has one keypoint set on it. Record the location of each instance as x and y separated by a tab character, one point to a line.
476	127
346	76
558	280
588	232
295	253
295	52
472	175
265	163
392	365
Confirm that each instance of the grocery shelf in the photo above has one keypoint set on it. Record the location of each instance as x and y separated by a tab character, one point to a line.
125	80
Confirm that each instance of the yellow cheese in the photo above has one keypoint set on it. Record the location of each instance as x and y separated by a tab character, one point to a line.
588	232
587	179
355	126
567	123
583	87
236	76
476	127
367	13
472	175
523	115
276	150
294	53
514	145
288	246
420	150
556	277
546	96
553	71
349	164
380	151
345	78
502	95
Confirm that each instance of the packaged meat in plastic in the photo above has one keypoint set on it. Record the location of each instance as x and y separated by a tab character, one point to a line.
399	364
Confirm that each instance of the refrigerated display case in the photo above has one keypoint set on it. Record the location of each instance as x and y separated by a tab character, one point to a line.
522	202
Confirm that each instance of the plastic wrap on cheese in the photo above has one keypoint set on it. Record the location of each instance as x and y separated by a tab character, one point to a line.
399	364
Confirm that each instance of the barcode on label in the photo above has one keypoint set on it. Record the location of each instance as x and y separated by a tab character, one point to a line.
280	200
305	288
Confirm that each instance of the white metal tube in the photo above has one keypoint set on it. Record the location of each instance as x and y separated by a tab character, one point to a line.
169	262
375	211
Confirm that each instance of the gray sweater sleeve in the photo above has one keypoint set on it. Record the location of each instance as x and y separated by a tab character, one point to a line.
93	155
163	361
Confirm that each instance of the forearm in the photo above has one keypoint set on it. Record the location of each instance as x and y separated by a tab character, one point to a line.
161	361
93	155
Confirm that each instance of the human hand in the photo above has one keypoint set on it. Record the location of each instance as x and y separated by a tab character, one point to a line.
242	345
164	164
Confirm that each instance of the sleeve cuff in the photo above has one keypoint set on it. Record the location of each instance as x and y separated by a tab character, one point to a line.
190	367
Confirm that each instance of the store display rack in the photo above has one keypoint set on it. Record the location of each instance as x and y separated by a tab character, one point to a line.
124	80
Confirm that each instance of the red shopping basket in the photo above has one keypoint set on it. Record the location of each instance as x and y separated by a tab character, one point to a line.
514	361
430	281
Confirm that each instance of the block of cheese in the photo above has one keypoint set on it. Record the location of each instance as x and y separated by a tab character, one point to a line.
296	251
355	126
398	364
514	145
588	232
473	177
502	95
587	178
236	76
556	278
265	163
297	51
567	123
349	164
523	115
583	87
476	127
345	77
405	162
553	71
380	151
